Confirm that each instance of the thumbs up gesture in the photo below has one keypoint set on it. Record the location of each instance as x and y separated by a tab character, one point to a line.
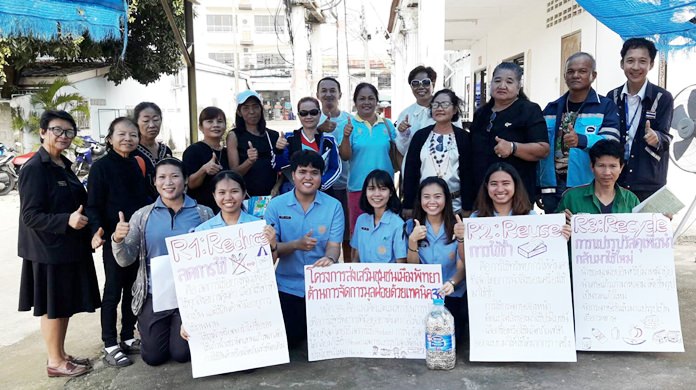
282	143
459	229
212	167
419	233
650	136
348	129
307	242
122	228
327	127
570	139
503	148
252	152
77	219
404	125
98	239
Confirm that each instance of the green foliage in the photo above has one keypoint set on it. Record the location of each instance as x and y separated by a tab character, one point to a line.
151	49
48	98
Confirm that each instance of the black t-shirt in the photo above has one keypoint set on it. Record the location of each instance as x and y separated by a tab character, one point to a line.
261	177
606	208
150	162
522	122
195	156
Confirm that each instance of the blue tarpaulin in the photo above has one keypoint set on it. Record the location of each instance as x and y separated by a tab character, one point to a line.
44	19
671	24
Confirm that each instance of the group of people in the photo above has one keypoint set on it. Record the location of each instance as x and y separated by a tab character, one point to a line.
333	188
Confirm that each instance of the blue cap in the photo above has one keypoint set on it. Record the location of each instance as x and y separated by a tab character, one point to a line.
245	95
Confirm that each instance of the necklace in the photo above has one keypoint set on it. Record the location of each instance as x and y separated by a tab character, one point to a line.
439	152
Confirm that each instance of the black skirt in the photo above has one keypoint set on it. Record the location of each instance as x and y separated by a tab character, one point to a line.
59	290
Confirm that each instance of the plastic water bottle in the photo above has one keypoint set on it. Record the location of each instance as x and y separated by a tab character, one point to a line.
440	353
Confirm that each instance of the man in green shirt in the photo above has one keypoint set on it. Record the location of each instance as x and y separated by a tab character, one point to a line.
602	195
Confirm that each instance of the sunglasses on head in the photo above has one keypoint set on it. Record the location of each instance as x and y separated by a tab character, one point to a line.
417	83
312	112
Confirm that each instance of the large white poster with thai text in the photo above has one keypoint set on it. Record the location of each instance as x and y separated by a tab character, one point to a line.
518	282
369	310
624	283
228	299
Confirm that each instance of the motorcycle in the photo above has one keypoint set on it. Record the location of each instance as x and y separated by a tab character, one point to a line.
8	174
86	155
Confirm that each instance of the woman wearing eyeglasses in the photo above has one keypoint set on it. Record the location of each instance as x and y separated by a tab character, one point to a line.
58	277
441	150
417	116
309	138
366	143
509	128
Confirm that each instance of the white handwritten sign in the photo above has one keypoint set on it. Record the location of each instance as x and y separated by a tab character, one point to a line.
518	282
624	285
369	310
228	299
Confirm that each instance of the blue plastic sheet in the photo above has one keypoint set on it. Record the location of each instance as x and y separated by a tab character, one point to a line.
671	24
44	19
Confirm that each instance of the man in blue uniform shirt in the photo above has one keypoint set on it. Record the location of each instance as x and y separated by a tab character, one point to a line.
309	229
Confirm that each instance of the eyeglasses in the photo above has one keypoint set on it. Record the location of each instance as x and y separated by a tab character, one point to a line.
490	122
417	83
443	105
58	131
312	112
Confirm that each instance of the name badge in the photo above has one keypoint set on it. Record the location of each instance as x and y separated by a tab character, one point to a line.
62	183
367	229
650	115
284	217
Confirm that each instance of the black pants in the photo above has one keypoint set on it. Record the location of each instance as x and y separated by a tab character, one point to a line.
159	336
295	318
459	308
118	284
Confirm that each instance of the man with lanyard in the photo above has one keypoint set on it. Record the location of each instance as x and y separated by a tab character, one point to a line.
333	121
646	116
309	230
575	122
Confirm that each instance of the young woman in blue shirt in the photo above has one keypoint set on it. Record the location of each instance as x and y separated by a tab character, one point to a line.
379	232
436	236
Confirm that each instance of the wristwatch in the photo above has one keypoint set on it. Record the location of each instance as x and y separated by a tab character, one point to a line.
454	285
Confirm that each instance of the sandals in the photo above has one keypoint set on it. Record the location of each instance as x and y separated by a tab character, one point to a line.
79	361
117	358
133	349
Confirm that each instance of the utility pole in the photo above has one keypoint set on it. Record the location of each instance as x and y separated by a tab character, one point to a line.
366	44
342	58
191	72
300	47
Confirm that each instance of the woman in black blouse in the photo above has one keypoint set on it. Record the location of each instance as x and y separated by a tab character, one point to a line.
58	277
148	117
251	146
509	128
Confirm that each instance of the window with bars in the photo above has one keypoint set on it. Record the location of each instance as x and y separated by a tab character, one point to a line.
269	60
267	24
225	58
220	23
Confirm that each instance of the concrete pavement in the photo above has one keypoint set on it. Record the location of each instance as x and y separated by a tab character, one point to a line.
22	354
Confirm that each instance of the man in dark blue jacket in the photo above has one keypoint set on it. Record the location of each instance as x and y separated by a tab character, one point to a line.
646	115
575	122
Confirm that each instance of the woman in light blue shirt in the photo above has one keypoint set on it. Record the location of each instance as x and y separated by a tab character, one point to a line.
366	143
229	191
379	235
498	196
436	236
